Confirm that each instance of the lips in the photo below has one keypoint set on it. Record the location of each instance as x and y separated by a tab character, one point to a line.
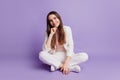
55	25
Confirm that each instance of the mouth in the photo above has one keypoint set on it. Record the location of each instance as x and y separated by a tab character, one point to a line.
55	25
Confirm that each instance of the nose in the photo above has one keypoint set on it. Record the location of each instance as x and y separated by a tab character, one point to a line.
53	21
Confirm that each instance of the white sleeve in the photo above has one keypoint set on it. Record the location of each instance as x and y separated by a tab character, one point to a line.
44	47
70	45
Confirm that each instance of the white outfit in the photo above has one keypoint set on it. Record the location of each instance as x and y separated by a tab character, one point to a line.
57	56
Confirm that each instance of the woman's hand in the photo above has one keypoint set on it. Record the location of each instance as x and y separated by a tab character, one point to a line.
64	68
53	30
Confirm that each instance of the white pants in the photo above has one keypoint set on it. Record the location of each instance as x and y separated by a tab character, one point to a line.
58	57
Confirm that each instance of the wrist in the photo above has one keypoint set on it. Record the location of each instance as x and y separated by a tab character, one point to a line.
65	63
51	34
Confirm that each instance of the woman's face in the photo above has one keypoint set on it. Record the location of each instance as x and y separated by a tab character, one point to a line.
54	21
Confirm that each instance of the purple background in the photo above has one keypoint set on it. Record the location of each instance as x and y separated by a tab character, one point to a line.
95	25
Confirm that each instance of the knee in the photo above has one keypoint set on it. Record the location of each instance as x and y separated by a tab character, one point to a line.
84	56
42	55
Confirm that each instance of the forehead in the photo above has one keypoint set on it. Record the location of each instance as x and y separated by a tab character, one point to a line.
51	16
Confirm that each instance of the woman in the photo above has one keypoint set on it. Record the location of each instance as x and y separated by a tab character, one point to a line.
58	46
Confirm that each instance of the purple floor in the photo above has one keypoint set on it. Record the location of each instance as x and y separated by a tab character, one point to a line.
32	69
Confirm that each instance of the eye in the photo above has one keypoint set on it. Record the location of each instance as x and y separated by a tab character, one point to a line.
50	20
55	17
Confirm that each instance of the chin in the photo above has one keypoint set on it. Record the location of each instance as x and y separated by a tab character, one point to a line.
56	26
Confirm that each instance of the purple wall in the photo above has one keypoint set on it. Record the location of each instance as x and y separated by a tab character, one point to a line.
95	25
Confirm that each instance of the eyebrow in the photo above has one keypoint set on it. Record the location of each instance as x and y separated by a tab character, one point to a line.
53	18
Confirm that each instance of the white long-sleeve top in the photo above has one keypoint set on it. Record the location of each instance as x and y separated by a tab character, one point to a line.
68	46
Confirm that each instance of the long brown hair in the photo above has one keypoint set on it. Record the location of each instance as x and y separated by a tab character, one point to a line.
60	31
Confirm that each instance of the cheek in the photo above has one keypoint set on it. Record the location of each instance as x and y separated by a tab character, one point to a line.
58	21
51	23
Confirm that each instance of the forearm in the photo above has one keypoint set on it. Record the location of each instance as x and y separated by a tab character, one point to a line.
48	42
67	60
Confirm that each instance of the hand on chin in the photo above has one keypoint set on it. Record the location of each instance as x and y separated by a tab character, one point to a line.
55	26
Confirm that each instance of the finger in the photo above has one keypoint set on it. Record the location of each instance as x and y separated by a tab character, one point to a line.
61	68
68	72
65	71
53	30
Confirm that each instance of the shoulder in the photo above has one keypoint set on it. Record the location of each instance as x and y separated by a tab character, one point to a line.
67	28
